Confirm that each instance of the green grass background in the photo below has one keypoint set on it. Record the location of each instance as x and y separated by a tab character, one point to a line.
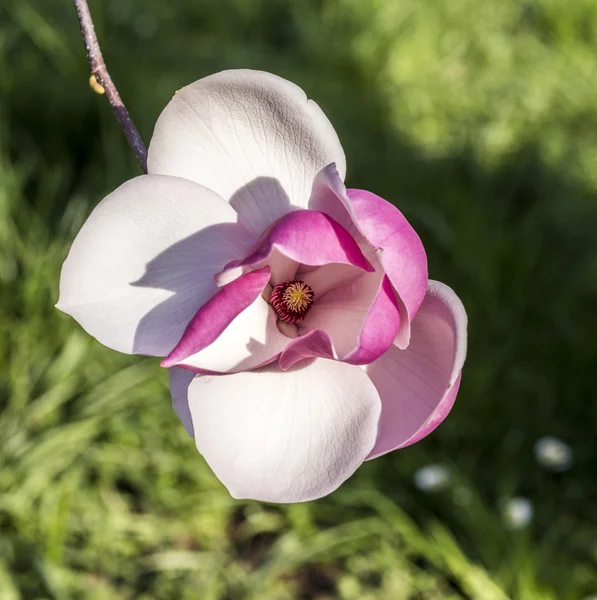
478	118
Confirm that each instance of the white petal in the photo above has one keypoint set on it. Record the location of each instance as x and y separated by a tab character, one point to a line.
283	268
179	385
144	262
285	436
252	137
251	340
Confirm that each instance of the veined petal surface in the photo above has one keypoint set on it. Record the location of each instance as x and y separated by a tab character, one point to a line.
418	385
252	137
285	436
145	259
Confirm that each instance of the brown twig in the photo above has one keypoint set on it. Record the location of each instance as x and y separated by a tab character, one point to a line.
101	82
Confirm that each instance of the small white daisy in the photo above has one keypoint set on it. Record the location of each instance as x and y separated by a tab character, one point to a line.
432	478
553	454
517	512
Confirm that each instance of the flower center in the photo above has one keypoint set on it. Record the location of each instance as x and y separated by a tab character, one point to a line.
292	300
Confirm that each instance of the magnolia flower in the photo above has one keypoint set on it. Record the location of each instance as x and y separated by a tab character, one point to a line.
302	334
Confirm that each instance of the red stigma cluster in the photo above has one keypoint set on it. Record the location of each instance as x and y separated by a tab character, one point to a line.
292	300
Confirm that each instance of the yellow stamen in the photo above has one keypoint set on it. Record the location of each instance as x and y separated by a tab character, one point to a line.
296	296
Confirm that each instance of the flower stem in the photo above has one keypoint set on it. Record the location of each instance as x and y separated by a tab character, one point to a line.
101	82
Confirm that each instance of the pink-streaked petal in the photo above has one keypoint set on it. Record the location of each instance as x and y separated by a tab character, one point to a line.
418	385
360	321
252	340
386	229
313	344
379	327
144	261
287	436
234	331
403	257
179	384
439	414
215	315
328	195
252	137
303	237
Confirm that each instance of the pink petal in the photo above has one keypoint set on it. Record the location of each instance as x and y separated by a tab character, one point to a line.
384	227
403	256
379	327
144	261
356	324
418	385
179	384
252	137
328	195
303	237
235	330
329	277
313	344
287	436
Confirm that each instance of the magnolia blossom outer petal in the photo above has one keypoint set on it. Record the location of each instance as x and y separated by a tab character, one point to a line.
144	261
252	137
235	330
285	436
179	384
302	237
385	228
418	385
